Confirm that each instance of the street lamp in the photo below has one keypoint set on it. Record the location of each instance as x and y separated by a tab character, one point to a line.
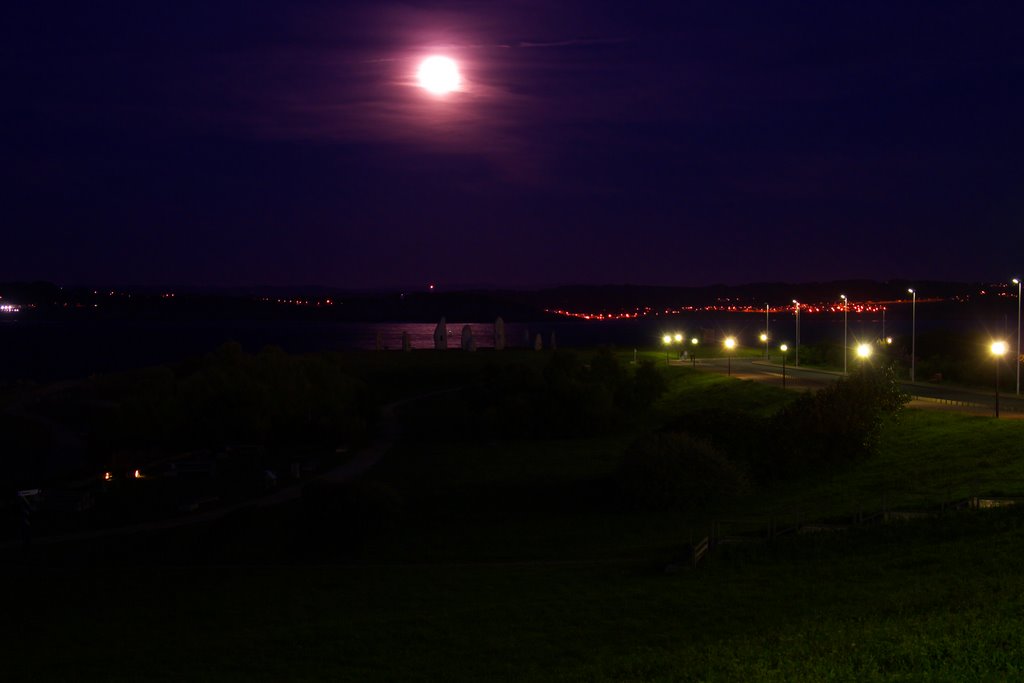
783	348
678	338
846	352
1016	281
666	340
767	331
730	344
913	332
863	352
797	331
693	356
998	349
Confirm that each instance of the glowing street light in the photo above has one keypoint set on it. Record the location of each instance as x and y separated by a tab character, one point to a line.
1016	281
846	347
764	339
797	303
730	344
913	332
783	348
863	352
693	356
668	340
998	350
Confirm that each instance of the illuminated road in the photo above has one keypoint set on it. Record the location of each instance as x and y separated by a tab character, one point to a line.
925	395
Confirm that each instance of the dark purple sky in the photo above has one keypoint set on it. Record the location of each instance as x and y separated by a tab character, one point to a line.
255	142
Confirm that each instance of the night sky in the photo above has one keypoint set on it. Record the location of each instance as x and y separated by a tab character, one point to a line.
287	143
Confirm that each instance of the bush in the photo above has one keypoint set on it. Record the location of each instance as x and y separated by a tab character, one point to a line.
678	472
567	399
839	423
228	397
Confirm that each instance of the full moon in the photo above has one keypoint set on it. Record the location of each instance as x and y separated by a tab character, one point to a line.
439	75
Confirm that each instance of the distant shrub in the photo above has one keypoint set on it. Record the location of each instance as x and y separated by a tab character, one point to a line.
822	354
839	423
648	384
569	397
678	472
270	398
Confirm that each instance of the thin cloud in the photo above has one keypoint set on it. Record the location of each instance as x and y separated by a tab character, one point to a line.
572	42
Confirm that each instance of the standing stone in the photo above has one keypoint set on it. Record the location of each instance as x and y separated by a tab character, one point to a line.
379	342
406	344
538	343
468	343
441	335
554	341
499	334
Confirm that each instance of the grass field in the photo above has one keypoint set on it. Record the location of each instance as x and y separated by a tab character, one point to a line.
513	561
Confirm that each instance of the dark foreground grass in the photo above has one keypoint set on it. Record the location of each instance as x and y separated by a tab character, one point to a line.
942	601
512	561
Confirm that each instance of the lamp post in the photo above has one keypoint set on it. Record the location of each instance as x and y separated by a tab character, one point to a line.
846	352
1016	281
730	344
666	340
913	332
998	349
693	356
797	303
783	348
767	332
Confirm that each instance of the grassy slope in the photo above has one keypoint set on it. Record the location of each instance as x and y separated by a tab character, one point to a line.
507	567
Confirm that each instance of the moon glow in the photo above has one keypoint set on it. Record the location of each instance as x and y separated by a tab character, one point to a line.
439	75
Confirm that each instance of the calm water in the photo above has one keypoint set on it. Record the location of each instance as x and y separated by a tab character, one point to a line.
56	350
